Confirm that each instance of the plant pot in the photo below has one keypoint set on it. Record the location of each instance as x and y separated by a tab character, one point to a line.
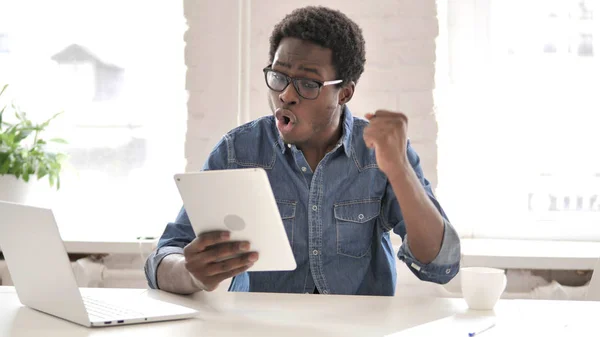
13	189
34	192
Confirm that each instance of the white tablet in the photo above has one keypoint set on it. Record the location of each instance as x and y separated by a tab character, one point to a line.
239	201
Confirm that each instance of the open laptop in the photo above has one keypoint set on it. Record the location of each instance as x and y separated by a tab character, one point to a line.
44	280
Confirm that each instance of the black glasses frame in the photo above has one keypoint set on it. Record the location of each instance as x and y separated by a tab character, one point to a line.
295	80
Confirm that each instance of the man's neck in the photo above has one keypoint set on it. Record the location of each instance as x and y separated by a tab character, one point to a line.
315	151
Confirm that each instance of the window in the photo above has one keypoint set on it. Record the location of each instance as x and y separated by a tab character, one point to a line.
116	69
518	120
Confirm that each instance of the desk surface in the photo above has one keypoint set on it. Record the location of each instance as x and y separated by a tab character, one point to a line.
253	314
99	246
116	246
530	254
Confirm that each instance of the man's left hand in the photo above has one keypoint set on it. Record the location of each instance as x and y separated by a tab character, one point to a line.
387	134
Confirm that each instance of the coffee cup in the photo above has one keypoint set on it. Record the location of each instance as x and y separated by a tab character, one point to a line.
482	287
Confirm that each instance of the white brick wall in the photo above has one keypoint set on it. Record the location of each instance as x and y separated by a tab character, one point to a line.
399	75
211	55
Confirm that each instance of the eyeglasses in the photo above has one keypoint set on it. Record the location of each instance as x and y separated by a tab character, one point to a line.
306	88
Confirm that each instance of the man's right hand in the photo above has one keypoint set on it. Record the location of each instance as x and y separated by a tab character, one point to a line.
212	258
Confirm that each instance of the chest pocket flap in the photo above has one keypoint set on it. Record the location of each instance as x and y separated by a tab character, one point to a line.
287	209
358	211
355	222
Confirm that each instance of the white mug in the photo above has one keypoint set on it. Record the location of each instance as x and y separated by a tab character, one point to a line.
482	287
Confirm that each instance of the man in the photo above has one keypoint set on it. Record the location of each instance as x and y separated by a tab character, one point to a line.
345	182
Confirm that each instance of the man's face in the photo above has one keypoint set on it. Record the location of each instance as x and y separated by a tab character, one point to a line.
301	120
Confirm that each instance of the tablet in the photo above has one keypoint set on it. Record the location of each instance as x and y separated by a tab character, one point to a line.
240	201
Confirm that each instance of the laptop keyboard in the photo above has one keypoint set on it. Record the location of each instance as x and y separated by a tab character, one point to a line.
105	311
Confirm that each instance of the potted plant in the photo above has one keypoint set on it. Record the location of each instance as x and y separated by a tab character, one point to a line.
24	154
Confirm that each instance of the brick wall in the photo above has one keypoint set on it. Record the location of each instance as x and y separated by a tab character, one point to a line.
399	75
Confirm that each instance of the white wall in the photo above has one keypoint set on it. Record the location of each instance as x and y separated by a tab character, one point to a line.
399	73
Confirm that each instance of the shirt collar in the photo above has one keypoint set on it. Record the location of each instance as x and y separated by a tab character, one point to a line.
346	140
348	125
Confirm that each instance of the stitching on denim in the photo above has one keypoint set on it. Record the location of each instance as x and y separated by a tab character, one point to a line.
250	164
357	202
288	203
367	251
383	224
338	219
230	151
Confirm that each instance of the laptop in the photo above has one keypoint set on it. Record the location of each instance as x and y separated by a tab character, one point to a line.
241	201
44	280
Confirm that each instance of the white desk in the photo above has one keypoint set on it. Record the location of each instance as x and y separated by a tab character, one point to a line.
530	254
252	314
108	246
89	244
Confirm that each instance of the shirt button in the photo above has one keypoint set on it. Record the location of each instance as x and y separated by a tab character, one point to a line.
315	252
448	271
361	216
303	169
315	208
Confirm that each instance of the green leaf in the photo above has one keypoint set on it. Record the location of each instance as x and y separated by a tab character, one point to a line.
7	138
5	166
60	157
21	158
42	172
26	172
22	135
24	154
32	167
10	134
46	123
58	140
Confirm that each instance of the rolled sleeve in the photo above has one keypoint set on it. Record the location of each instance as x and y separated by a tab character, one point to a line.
154	260
445	265
175	237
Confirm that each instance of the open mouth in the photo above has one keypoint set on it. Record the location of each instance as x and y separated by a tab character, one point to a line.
285	120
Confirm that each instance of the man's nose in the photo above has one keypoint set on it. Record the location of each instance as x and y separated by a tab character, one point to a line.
289	95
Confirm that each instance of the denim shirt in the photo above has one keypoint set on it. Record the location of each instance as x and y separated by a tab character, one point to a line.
338	218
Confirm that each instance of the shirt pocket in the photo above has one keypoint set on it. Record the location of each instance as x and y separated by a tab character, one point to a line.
287	210
355	222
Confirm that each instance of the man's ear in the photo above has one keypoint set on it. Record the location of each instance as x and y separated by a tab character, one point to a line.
346	93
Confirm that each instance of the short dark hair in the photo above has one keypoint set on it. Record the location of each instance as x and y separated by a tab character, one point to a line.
327	28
